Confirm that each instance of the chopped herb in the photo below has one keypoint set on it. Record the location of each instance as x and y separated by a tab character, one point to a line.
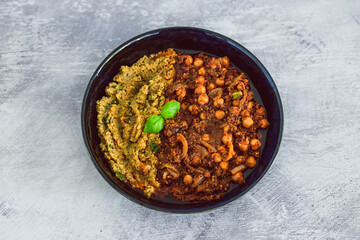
154	147
104	120
118	124
137	89
237	95
120	176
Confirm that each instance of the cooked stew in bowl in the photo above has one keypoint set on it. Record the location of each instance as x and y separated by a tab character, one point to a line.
181	125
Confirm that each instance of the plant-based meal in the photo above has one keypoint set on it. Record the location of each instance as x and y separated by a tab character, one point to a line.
136	93
181	125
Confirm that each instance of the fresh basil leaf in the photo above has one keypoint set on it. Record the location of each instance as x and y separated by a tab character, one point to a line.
154	124
170	109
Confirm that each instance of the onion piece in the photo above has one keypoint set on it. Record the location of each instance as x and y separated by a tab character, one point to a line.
242	101
217	92
199	180
202	150
172	170
231	152
174	173
236	169
208	145
184	143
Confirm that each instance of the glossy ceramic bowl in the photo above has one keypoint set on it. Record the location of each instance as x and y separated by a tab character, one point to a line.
191	40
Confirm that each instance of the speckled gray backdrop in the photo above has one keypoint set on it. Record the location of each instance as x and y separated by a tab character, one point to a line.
49	188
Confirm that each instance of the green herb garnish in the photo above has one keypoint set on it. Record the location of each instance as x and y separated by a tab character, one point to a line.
120	176
170	109
237	95
154	147
156	123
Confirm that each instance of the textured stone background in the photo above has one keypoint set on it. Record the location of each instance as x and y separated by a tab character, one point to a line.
49	189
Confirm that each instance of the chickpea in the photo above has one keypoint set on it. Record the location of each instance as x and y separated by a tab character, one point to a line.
219	114
202	116
224	61
202	71
205	137
222	149
214	64
188	60
211	86
247	122
255	144
196	160
238	177
245	113
236	102
188	179
203	99
198	62
250	162
183	106
193	109
216	157
239	160
244	146
200	89
218	102
200	80
239	87
227	138
226	128
250	105
261	111
263	123
220	82
181	93
224	165
256	154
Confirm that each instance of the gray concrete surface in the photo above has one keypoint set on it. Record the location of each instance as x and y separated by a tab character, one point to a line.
49	188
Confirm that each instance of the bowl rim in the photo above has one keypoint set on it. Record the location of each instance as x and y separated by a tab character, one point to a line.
207	32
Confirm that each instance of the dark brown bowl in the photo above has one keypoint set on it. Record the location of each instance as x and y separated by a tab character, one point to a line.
191	40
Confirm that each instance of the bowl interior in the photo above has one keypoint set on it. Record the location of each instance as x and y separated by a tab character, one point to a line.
193	40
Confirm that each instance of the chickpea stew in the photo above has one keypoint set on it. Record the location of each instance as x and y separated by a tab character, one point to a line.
212	139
